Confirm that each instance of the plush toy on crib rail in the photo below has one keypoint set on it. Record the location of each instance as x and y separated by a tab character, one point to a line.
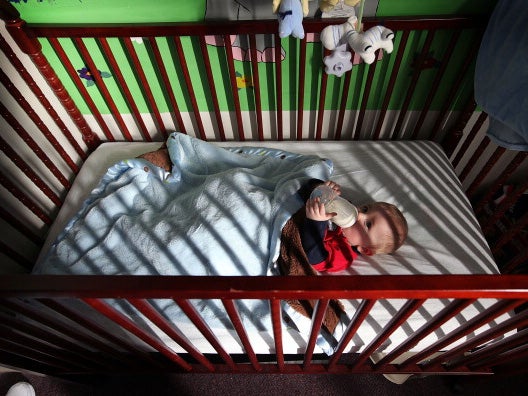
290	14
337	38
329	5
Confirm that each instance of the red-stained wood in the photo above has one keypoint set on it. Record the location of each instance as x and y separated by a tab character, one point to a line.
236	321
168	328
276	320
190	89
433	88
234	88
317	320
25	200
92	140
364	100
30	82
390	88
212	89
133	328
412	85
433	324
116	73
26	169
103	89
255	80
301	88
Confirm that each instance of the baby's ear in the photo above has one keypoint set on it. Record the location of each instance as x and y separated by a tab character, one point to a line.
365	250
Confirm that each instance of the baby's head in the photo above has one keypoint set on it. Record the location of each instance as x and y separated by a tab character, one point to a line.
381	228
394	238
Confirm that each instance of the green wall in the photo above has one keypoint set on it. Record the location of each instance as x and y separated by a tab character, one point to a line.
90	11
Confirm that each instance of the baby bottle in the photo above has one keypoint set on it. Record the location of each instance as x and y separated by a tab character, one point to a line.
346	212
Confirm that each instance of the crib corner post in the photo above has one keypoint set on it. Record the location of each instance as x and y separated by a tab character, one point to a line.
29	45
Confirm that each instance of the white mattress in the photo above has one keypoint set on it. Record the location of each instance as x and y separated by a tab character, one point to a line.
444	236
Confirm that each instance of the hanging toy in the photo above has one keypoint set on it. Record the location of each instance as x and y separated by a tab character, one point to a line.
339	38
367	43
335	39
290	14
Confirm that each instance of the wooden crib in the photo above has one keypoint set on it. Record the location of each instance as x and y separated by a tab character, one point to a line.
421	91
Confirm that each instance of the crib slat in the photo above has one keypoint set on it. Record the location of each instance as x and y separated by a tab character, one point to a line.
352	328
39	332
145	86
339	131
518	321
276	320
484	317
505	205
433	324
21	227
44	101
146	309
28	171
455	87
204	329
212	88
64	359
322	97
390	88
504	176
364	100
95	328
130	326
499	151
405	312
278	87
433	89
24	199
412	85
256	85
26	137
190	89
300	90
15	256
27	350
234	89
28	109
116	73
317	320
234	316
72	72
107	96
512	264
498	351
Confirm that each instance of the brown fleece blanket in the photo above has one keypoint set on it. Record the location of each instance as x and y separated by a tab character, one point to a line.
292	259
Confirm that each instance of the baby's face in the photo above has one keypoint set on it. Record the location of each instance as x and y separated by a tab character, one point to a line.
371	227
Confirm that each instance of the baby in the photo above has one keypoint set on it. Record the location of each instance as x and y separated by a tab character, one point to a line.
380	229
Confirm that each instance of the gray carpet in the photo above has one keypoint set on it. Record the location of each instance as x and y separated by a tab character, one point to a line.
270	385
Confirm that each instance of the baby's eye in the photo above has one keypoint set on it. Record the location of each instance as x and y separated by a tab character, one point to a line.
364	209
368	224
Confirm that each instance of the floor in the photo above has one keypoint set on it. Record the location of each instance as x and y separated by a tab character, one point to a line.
270	385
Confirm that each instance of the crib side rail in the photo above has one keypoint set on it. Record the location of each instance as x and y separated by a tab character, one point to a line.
41	331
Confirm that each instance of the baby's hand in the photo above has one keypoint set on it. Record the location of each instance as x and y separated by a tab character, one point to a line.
334	186
315	210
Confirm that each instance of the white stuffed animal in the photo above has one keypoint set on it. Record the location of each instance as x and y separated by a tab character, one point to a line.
365	44
333	36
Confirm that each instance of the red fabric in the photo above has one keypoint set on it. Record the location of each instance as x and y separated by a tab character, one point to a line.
340	253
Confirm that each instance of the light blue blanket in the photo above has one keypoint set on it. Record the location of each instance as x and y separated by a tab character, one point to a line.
220	212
